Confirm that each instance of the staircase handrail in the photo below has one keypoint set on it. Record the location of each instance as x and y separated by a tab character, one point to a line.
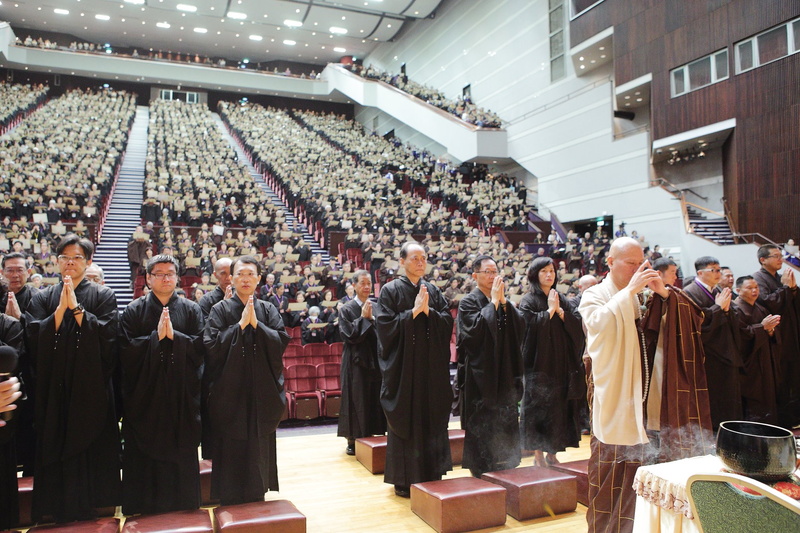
677	190
728	217
707	210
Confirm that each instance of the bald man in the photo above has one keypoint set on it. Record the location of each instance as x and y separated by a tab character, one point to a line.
222	271
647	384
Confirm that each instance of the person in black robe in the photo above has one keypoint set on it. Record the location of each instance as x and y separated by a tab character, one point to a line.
360	414
222	271
15	302
223	290
281	303
414	329
245	340
11	345
71	329
720	337
489	334
161	354
760	333
779	295
554	380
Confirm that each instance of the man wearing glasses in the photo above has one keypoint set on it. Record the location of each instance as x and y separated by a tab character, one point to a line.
245	340
414	327
71	329
490	373
720	337
161	355
778	294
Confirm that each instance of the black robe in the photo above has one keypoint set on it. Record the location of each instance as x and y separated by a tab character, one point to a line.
554	379
208	301
781	300
761	356
490	382
244	368
10	335
210	298
161	389
415	393
361	414
720	336
78	445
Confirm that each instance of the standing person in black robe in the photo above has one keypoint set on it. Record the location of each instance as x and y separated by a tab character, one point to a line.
245	340
161	354
779	295
760	352
554	380
223	290
71	330
15	301
414	329
490	372
361	414
11	345
720	337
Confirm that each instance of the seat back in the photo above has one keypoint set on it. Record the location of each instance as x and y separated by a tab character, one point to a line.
300	378
720	505
328	375
315	353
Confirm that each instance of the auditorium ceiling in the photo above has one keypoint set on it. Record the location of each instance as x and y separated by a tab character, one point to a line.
306	31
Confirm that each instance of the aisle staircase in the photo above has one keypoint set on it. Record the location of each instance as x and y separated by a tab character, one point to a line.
124	212
714	229
274	198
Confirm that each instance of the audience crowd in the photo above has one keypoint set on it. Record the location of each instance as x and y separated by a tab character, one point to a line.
17	100
462	107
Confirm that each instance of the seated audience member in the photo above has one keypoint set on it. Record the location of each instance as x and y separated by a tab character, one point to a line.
281	303
313	329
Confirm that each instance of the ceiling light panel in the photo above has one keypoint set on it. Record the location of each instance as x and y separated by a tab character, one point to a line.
237	15
189	8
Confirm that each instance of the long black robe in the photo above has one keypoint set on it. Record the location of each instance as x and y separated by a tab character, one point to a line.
25	436
490	382
781	300
11	336
210	298
244	368
415	393
554	380
208	301
78	445
361	414
161	389
720	336
761	356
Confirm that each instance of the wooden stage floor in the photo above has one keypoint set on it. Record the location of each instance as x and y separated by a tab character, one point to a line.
337	494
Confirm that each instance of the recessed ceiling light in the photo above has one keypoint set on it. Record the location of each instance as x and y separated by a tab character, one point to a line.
340	49
200	30
164	25
337	30
102	17
292	23
186	7
59	11
255	37
289	42
236	15
135	2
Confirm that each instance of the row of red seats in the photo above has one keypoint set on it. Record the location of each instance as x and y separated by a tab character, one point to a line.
313	390
312	354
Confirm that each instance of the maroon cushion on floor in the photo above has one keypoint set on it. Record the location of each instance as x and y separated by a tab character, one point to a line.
197	521
459	504
371	452
276	516
579	469
535	491
102	525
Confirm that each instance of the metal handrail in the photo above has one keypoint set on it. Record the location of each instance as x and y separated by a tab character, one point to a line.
678	189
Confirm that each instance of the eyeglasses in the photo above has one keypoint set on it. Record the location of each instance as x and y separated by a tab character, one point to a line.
773	256
714	270
490	272
168	276
70	259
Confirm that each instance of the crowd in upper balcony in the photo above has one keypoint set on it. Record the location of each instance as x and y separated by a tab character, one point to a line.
161	55
463	107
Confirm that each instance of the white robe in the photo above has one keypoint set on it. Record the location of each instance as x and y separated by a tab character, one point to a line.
613	343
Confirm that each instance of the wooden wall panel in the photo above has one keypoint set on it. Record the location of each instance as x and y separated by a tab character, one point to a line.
760	161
